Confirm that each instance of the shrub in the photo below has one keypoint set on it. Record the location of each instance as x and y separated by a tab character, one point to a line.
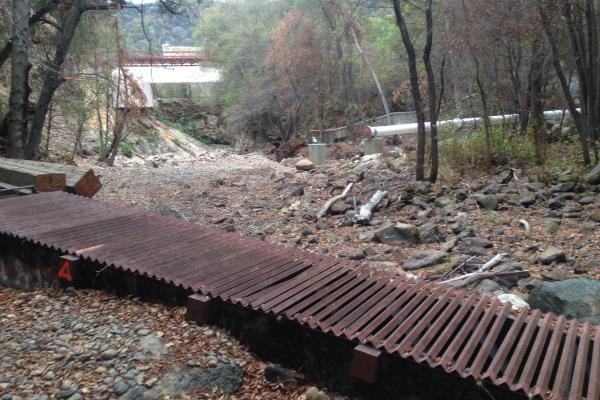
127	149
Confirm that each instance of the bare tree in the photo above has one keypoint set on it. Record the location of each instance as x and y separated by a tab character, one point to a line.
416	92
17	125
556	58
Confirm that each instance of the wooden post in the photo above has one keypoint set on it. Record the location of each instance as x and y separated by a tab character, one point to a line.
365	363
199	309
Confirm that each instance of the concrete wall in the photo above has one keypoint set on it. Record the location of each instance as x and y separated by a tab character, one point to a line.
355	130
194	91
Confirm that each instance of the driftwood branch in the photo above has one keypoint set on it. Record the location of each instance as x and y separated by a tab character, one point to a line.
525	225
492	263
330	202
474	277
366	210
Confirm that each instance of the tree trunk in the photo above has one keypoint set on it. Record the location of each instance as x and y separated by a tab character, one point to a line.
386	107
433	110
52	80
48	6
416	92
49	128
579	125
19	77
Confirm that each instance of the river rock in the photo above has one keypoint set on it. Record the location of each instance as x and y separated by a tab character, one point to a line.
563	187
164	209
528	200
576	298
488	202
552	254
593	178
424	259
304	165
226	377
390	233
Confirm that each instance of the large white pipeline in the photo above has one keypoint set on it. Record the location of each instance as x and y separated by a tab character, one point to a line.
407	129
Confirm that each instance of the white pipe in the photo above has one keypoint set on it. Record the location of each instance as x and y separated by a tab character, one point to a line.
412	128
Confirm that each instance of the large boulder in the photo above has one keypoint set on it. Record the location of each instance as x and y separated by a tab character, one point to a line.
593	178
576	298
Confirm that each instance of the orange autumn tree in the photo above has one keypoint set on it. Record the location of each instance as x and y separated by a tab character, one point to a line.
298	73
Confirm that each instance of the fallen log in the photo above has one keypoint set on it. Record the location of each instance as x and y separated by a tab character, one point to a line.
330	202
366	210
474	277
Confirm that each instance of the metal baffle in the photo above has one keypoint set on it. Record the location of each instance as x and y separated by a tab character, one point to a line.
365	363
199	308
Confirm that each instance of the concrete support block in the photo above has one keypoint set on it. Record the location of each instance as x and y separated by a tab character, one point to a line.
199	308
365	363
317	153
373	146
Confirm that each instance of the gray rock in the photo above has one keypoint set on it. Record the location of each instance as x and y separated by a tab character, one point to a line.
563	187
488	286
312	393
552	254
397	233
576	298
429	233
528	200
535	186
137	393
460	195
509	281
488	202
587	200
593	178
109	354
478	242
551	227
225	377
339	207
362	167
424	259
352	254
505	176
383	266
120	387
164	209
556	203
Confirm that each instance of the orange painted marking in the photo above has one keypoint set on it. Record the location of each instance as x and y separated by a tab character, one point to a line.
64	272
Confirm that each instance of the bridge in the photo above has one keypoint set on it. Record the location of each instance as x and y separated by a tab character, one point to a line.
142	60
470	336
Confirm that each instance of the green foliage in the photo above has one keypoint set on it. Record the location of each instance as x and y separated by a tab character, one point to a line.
187	126
466	151
159	26
127	149
463	151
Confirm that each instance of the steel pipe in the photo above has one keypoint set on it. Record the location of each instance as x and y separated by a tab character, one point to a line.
412	128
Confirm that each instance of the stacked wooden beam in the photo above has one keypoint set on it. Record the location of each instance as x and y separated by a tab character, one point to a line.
48	177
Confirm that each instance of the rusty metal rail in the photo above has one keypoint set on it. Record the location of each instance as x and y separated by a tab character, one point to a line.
467	334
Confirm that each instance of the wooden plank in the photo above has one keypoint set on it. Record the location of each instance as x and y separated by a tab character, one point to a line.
43	182
20	190
79	180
